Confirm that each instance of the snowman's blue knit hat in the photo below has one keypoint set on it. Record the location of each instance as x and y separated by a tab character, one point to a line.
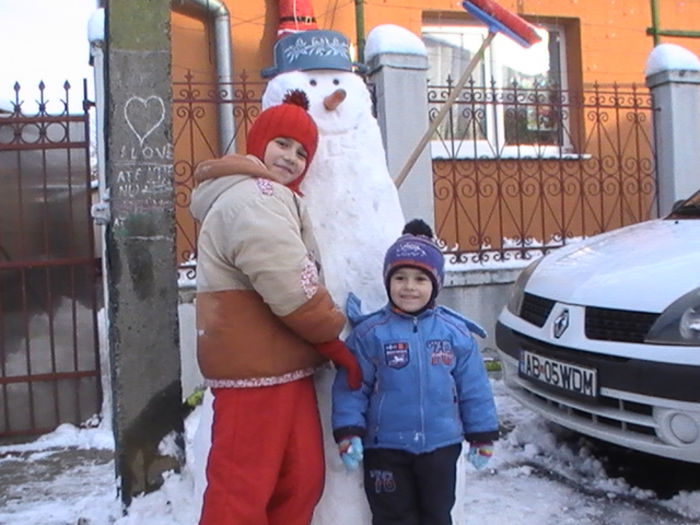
416	249
309	50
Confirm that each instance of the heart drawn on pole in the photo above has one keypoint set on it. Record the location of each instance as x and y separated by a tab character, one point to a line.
144	115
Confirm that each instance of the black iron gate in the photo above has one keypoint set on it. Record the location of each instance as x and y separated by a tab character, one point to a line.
49	353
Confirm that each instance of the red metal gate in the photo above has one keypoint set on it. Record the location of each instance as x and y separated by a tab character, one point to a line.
49	354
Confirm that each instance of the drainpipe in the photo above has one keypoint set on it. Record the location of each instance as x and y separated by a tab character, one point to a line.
96	37
360	29
216	14
655	32
654	29
100	208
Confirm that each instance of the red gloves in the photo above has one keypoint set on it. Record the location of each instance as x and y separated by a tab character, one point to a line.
336	351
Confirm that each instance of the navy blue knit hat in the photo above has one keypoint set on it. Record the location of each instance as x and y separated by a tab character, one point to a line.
416	249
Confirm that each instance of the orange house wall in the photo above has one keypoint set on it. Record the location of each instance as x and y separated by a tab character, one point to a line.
610	34
614	43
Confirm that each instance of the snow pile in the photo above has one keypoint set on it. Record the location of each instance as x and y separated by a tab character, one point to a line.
535	478
65	436
666	57
390	38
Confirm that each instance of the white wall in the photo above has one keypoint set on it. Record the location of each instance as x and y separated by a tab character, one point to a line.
479	295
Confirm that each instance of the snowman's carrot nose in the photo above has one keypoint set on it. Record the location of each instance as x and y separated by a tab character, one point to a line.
334	100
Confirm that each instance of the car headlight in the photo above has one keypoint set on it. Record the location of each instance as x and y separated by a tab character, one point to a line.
518	293
679	324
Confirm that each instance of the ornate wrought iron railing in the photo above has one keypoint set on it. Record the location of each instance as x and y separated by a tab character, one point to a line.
195	138
522	171
516	172
49	352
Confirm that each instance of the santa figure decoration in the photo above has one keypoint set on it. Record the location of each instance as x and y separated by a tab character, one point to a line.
295	16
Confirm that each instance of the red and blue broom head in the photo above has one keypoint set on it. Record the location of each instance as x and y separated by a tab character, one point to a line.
500	20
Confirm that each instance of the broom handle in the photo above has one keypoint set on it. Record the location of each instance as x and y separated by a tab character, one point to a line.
445	108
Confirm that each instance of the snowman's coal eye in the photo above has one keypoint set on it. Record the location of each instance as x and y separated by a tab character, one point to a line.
336	81
312	82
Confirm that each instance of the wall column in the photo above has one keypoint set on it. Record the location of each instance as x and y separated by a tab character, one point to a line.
400	83
676	96
140	243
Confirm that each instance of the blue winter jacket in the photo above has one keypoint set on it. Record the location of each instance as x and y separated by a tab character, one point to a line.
424	382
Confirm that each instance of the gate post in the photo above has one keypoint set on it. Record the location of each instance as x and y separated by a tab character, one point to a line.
673	76
399	77
140	243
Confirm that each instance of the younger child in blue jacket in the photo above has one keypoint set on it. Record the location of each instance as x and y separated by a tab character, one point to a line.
425	389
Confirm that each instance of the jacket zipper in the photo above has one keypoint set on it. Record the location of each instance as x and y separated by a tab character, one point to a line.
421	379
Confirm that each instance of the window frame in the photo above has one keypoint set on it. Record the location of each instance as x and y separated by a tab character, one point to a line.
494	144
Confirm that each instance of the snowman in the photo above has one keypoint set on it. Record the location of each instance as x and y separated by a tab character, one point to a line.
351	197
355	210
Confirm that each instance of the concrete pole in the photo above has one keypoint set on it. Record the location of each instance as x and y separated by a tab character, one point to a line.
402	112
676	96
140	243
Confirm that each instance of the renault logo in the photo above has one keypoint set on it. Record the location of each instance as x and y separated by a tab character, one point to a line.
561	323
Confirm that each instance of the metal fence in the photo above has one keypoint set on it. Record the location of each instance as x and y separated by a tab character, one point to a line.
195	138
523	171
516	171
49	356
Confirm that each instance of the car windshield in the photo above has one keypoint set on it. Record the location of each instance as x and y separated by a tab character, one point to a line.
687	208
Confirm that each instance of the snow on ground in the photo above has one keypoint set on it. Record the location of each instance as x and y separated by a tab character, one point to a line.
535	478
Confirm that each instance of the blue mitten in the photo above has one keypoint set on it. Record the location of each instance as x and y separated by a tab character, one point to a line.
351	450
479	454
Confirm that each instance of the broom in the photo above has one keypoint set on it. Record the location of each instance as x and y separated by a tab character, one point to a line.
498	20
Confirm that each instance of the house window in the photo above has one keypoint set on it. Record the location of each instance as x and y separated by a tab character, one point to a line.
512	107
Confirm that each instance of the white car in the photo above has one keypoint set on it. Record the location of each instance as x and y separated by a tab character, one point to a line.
603	336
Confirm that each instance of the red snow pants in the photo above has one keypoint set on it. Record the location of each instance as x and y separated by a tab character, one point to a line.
266	464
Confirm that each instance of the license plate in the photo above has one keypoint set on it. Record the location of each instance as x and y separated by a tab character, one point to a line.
560	374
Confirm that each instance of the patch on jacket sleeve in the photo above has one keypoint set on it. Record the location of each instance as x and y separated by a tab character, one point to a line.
309	278
396	355
265	186
441	352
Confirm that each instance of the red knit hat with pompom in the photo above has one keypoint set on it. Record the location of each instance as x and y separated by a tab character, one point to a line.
291	120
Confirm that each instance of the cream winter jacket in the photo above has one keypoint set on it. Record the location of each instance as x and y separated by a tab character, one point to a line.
260	302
